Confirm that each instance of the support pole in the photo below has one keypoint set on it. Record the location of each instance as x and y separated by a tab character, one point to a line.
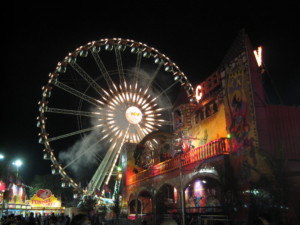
181	192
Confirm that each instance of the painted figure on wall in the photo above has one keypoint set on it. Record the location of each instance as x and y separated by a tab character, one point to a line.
239	103
203	139
239	126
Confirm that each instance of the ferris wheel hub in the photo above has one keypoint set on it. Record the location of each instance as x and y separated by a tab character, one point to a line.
133	115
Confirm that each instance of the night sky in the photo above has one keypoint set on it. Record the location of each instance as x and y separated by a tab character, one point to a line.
195	37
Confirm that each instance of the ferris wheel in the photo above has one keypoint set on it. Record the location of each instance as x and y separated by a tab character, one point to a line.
100	97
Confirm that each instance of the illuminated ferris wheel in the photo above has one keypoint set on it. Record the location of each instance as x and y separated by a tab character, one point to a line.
100	97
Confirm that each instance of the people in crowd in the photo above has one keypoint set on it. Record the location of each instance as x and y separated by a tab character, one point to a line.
39	219
81	219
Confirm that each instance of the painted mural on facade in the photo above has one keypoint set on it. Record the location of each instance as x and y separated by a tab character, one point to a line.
209	129
239	103
250	164
200	197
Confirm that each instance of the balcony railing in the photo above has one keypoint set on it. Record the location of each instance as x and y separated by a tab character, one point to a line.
214	148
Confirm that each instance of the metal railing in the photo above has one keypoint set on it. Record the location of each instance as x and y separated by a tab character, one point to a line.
214	148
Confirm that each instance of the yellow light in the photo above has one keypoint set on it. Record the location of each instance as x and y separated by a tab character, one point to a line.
139	102
105	92
115	101
145	106
115	87
102	103
137	98
148	112
148	125
120	96
150	119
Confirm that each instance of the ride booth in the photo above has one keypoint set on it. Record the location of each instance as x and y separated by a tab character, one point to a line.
44	202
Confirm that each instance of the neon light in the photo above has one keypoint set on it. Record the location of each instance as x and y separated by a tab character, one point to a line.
208	170
198	93
258	56
197	188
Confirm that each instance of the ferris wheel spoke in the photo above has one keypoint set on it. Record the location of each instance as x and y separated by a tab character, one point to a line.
164	122
97	156
86	77
72	133
165	90
81	154
77	93
117	156
137	67
120	65
102	170
139	131
103	69
107	163
154	75
164	109
72	112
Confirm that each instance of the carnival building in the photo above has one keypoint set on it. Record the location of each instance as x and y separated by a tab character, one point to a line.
230	157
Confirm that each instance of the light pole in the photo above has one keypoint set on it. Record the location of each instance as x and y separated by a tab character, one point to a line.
2	188
181	191
17	163
2	157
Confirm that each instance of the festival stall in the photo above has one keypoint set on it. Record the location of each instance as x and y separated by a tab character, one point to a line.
44	202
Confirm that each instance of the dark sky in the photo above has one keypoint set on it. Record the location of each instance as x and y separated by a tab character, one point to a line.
195	37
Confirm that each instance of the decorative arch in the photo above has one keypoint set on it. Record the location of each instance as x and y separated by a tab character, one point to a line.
146	199
167	199
203	194
134	206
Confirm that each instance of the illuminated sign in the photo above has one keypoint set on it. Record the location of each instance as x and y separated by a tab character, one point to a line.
208	87
258	56
133	115
198	93
44	198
